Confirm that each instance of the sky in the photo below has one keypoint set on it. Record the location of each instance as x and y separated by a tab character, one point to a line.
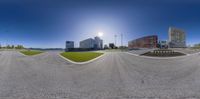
49	23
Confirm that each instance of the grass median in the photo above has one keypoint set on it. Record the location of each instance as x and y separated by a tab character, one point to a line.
31	52
81	56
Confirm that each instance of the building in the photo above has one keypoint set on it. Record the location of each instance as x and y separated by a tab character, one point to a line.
106	47
163	44
111	45
95	43
88	43
144	42
68	45
98	43
176	38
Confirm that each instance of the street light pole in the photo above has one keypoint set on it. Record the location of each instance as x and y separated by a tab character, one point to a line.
115	39
121	40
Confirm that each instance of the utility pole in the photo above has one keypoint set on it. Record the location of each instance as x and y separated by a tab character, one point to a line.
115	39
121	40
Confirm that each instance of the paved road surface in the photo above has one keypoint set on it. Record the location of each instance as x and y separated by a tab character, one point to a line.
116	75
141	51
187	50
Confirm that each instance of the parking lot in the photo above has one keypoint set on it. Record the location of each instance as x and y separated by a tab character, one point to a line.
116	75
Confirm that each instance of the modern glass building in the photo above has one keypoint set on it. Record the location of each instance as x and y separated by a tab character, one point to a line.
68	45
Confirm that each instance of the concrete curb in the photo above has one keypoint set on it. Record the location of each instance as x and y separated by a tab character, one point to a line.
80	63
162	57
21	53
193	54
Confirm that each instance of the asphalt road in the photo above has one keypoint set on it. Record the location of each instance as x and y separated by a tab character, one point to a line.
116	75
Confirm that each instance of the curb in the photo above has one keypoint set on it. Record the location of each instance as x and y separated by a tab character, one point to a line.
81	63
21	53
193	54
162	57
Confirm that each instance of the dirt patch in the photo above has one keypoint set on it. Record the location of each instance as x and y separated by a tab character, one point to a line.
163	53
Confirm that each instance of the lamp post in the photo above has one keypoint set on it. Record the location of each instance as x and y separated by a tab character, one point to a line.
115	39
121	40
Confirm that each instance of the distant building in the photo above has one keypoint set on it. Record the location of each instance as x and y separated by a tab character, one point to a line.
88	43
163	44
69	44
176	38
111	45
98	43
106	47
144	42
95	43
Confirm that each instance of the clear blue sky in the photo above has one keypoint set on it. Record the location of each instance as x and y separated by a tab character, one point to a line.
49	23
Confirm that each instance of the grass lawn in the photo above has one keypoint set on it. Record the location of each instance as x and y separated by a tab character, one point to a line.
195	48
31	52
80	56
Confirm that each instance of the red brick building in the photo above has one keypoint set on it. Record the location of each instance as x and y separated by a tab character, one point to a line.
144	42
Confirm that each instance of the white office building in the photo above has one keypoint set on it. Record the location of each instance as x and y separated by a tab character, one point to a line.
88	43
98	43
95	43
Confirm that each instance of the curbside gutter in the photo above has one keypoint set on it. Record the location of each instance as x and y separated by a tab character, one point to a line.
162	57
81	63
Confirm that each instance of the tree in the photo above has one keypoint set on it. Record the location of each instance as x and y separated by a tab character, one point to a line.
12	46
19	47
8	47
196	46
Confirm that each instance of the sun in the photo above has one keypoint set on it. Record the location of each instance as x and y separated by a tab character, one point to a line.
100	34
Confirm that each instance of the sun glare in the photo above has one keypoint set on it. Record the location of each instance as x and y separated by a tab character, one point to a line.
100	34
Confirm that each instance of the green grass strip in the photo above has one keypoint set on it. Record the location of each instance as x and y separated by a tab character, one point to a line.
31	52
80	56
